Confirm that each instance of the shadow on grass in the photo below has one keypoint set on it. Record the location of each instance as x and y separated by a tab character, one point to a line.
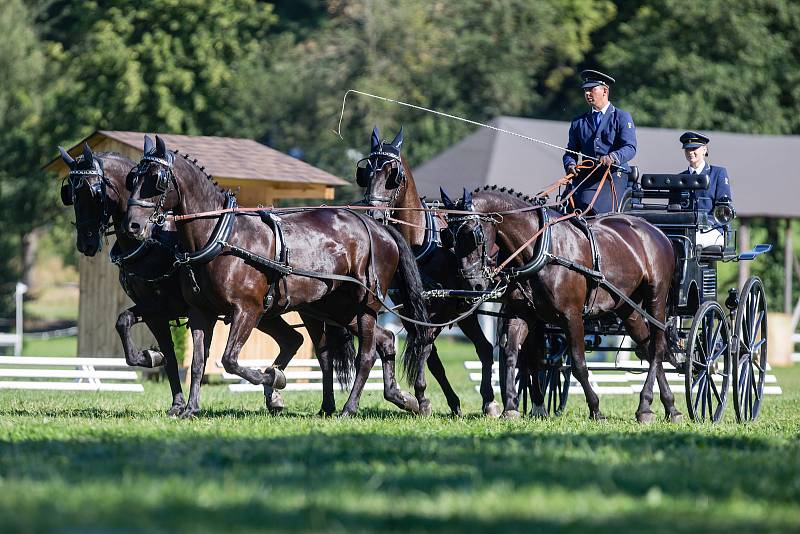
680	463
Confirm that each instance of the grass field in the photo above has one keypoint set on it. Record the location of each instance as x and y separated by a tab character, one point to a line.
73	462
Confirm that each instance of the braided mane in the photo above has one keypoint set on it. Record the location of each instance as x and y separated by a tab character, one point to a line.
202	169
533	201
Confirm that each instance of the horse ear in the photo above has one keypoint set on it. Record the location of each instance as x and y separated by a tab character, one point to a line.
467	198
87	154
375	140
69	160
398	139
148	144
161	147
449	204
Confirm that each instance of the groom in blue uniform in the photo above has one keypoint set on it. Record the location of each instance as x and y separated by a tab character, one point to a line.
606	134
695	149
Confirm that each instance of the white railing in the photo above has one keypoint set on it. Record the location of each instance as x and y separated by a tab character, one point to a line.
67	374
302	374
605	380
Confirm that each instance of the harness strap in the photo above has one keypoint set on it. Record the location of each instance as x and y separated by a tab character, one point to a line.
600	279
214	246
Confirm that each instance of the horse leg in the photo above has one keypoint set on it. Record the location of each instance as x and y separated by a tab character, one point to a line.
242	324
436	368
515	333
574	330
202	327
289	341
384	343
639	331
316	331
160	329
366	360
472	329
133	357
534	355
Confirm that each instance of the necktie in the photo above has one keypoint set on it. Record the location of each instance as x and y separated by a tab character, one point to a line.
597	117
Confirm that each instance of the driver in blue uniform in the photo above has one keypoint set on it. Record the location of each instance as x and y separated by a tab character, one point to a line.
695	149
607	134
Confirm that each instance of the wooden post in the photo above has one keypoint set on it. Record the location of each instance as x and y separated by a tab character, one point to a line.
744	244
788	274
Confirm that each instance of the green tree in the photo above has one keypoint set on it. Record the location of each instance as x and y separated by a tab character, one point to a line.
24	204
710	65
170	66
472	58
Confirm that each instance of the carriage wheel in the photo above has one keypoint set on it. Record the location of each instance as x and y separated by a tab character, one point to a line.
708	363
555	378
750	370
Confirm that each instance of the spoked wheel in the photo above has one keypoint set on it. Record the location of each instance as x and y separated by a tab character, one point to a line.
750	331
708	363
554	379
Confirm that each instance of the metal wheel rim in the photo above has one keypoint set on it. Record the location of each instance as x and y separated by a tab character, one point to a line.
750	371
708	354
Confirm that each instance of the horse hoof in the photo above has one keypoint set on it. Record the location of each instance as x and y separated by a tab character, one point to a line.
189	413
491	409
597	416
410	403
645	418
676	418
175	410
274	403
425	408
456	411
156	359
511	414
539	411
324	413
278	378
346	414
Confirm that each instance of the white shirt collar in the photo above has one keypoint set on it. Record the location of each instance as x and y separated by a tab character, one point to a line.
605	108
692	170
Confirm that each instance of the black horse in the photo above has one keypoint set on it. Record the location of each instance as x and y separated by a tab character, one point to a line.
556	278
388	182
329	265
95	187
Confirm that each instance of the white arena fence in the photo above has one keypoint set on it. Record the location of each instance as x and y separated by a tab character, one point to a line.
67	374
606	380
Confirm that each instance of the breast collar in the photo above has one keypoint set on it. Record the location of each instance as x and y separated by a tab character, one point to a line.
541	252
216	243
431	241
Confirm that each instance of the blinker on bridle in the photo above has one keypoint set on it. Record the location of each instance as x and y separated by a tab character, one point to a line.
163	184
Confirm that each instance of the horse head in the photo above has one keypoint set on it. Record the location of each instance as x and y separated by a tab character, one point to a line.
153	190
473	238
381	173
86	189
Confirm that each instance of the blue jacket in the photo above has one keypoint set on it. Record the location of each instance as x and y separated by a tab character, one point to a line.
616	137
718	187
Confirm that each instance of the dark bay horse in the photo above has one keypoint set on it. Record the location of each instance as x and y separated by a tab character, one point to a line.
388	183
247	267
634	256
97	187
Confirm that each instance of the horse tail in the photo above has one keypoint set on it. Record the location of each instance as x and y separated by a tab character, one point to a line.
410	282
342	352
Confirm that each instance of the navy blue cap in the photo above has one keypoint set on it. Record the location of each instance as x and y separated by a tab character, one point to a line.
593	78
693	140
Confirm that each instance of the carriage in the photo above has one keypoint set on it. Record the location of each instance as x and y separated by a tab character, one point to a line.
716	347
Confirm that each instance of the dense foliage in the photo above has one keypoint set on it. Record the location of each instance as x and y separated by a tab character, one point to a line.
277	71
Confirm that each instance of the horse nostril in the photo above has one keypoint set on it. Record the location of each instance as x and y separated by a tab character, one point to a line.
134	227
478	287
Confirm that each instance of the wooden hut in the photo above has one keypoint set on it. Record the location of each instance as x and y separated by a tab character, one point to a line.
260	175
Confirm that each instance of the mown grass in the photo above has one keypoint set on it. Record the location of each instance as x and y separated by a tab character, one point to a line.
60	346
76	461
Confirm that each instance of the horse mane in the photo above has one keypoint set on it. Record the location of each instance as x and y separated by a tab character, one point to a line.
532	201
202	169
